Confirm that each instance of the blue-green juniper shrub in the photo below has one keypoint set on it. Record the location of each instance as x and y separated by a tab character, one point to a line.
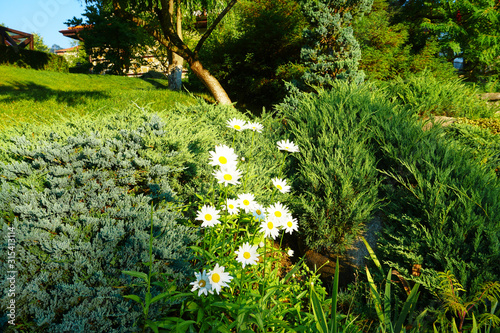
81	209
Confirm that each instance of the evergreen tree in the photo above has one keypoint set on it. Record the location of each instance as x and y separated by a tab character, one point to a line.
110	38
466	28
331	50
387	52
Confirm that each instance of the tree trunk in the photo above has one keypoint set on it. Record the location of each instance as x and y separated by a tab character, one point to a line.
210	82
175	61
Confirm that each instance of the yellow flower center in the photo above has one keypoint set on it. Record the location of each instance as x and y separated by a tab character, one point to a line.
215	277
277	213
246	255
202	283
231	206
289	224
279	187
222	160
246	202
237	127
258	212
208	217
287	148
227	177
270	225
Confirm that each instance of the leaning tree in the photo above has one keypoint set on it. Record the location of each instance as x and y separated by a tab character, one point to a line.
160	19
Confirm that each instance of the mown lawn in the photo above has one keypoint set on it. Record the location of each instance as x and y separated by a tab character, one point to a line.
28	95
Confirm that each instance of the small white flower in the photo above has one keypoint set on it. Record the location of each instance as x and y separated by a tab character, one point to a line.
277	213
258	212
281	185
232	206
218	278
289	146
209	215
290	224
256	127
222	156
269	228
237	124
202	284
246	201
261	244
247	254
227	175
290	252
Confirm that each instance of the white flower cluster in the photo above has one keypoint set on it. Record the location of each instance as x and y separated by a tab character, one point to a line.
272	219
241	125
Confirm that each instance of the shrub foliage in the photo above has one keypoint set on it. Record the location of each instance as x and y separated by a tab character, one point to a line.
81	208
32	59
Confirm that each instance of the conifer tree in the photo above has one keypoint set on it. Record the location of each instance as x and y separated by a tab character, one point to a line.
331	51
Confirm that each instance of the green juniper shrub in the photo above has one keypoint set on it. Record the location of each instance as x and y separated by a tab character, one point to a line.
480	136
335	173
428	95
443	204
80	205
32	59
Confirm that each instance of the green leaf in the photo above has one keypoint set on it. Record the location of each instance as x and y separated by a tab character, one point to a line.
373	256
376	297
159	297
387	300
140	275
134	298
408	307
334	298
319	314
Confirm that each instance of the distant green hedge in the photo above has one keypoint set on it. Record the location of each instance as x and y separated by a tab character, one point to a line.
32	59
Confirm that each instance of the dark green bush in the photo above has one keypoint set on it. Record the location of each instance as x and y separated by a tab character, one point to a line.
81	208
253	56
32	59
336	177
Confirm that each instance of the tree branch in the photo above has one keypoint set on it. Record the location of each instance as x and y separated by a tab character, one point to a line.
213	25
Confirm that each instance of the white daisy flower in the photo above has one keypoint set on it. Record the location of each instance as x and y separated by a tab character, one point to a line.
290	252
281	185
202	284
222	156
246	201
227	175
209	215
232	206
290	224
258	212
237	124
247	254
218	278
277	213
289	146
269	228
256	127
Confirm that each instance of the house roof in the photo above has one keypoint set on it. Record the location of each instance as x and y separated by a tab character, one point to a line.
72	32
70	49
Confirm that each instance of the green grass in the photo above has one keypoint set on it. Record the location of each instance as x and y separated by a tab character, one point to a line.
31	96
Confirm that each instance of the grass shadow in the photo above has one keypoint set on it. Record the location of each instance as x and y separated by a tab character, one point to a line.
29	90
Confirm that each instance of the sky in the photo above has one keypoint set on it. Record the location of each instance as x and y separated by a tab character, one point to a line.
44	17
